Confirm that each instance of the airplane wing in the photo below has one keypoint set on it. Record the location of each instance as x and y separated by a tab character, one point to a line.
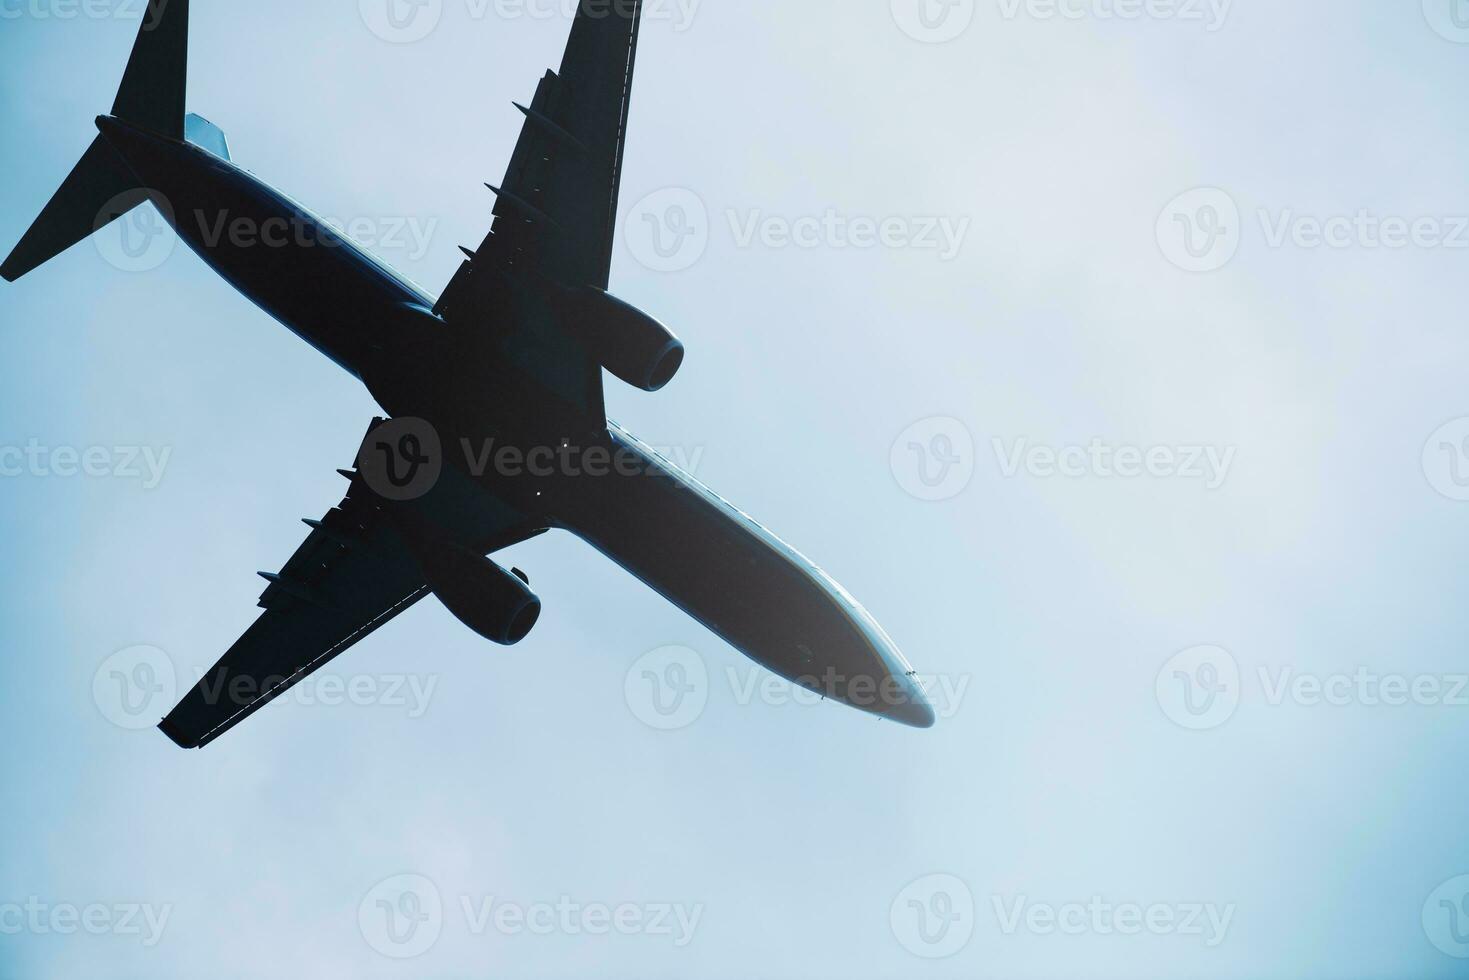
352	575
556	209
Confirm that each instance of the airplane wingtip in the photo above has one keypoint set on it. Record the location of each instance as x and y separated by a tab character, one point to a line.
176	735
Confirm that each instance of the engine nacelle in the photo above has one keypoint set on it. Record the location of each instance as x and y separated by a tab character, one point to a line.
483	596
626	341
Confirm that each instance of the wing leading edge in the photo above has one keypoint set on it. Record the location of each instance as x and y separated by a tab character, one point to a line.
555	211
353	574
350	576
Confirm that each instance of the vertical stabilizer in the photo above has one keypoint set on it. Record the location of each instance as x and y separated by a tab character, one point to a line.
101	188
152	90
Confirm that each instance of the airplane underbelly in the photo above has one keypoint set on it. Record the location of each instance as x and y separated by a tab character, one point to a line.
290	264
718	567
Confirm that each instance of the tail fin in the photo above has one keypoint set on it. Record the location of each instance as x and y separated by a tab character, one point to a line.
152	90
101	188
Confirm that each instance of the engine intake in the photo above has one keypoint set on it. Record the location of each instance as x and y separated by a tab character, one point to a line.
632	345
483	596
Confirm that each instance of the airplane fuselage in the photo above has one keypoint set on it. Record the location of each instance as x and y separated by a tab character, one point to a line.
656	521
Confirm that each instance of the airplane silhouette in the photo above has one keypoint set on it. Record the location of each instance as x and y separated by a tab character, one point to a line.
496	429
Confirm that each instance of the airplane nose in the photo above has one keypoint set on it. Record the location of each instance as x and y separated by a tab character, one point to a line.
912	707
902	698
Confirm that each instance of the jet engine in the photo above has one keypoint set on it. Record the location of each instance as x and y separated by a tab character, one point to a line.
496	604
631	344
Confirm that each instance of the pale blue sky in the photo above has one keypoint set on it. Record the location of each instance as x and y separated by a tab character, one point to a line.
1055	603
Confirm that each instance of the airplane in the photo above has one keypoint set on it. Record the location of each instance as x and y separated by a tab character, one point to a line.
511	356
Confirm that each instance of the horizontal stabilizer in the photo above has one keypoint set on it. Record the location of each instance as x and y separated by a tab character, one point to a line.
99	190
